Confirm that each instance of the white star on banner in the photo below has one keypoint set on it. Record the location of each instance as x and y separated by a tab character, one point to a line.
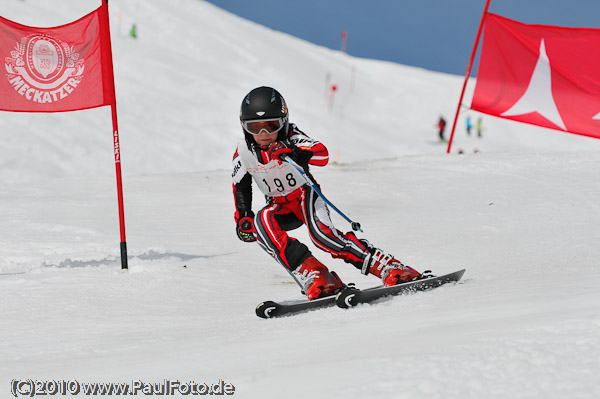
538	96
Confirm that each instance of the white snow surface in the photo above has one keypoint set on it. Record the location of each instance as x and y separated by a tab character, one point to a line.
521	215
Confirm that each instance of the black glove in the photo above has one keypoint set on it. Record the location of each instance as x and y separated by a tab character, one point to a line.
300	156
245	227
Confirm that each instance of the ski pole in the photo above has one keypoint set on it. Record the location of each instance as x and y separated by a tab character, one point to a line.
355	225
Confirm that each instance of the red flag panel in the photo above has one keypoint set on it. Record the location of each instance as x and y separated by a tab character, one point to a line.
57	69
539	74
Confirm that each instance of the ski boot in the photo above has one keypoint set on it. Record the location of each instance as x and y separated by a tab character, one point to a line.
318	281
389	269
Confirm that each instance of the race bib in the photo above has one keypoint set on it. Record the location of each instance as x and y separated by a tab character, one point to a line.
275	178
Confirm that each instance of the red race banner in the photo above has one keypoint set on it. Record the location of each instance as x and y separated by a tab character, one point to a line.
63	68
539	74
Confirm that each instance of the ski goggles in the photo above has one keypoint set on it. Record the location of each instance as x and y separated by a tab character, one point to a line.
256	127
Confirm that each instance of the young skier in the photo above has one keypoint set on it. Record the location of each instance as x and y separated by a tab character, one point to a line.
268	139
441	128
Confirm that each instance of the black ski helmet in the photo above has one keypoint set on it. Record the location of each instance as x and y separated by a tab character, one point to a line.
264	103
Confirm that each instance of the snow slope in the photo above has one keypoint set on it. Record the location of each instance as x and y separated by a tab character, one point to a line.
521	216
179	87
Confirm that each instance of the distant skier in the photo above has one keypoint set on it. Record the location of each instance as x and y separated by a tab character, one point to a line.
441	127
468	122
133	31
269	137
479	128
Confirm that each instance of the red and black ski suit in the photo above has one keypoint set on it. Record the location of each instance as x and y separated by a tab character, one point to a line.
290	203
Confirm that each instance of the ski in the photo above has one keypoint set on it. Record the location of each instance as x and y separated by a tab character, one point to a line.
351	296
271	309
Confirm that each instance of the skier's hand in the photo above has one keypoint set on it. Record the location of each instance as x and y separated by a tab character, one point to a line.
245	229
277	149
301	157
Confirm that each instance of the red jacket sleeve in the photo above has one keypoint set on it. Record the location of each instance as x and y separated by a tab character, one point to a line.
242	189
301	140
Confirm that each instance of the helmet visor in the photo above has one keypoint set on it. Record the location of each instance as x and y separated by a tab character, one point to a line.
256	127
